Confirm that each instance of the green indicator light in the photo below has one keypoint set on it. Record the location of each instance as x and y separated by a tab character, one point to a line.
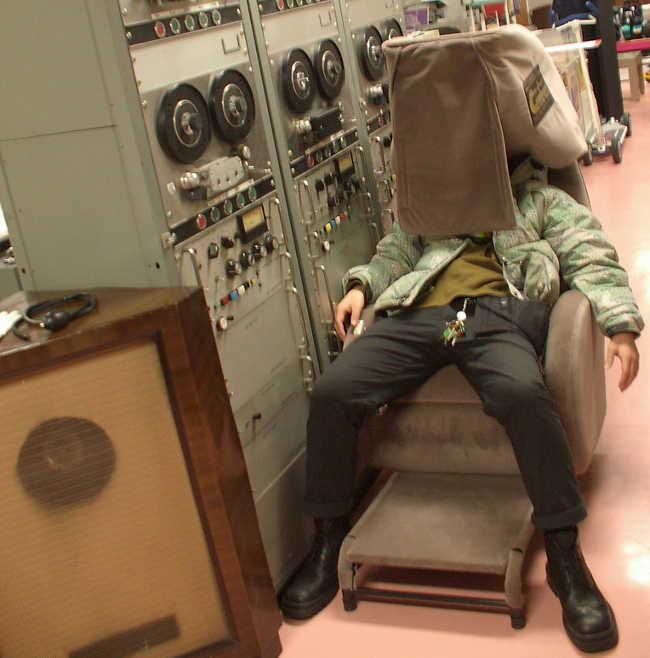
215	214
241	200
175	25
204	21
228	207
216	17
252	194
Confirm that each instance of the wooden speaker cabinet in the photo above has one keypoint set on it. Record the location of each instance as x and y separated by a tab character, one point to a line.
127	520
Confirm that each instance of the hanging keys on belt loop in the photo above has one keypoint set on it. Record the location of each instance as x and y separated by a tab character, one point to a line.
455	328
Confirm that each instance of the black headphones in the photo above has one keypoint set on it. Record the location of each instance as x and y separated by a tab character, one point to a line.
55	320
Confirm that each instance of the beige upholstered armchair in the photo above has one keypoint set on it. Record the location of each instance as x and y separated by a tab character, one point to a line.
454	500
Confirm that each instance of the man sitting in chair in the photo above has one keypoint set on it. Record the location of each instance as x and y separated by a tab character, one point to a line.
479	251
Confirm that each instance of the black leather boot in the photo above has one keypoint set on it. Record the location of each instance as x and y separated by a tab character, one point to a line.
588	618
317	581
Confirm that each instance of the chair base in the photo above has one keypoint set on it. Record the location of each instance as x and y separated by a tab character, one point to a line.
467	523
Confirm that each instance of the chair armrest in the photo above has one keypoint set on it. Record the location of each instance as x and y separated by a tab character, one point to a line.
575	373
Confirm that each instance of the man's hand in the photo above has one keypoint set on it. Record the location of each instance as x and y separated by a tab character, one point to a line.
623	346
349	310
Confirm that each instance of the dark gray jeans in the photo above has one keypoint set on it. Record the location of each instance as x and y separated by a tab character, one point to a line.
400	352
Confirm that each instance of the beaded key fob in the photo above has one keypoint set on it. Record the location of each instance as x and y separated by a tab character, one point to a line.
455	328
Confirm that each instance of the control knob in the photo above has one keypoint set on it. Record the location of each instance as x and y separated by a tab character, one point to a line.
221	323
227	242
259	251
271	243
319	184
190	180
246	259
328	178
213	250
333	200
303	126
233	267
379	94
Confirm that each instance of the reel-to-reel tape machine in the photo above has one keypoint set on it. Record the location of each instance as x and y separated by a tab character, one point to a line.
244	148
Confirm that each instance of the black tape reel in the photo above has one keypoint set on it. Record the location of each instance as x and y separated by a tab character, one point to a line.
391	28
232	105
183	124
371	55
298	81
330	70
65	461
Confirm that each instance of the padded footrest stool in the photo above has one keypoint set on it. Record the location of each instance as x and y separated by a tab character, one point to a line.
470	523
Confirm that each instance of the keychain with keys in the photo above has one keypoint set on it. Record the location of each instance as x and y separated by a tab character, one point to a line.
455	328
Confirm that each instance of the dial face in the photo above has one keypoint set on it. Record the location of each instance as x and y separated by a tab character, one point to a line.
183	124
298	81
252	223
330	70
232	105
371	54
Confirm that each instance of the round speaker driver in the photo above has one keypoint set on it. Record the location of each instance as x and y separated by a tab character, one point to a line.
65	460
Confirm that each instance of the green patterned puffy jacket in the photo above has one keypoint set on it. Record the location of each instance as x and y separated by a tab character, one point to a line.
556	239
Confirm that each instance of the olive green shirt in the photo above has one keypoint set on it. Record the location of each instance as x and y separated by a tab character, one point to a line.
475	272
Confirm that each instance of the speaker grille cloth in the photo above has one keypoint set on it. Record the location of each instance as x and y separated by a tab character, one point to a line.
108	568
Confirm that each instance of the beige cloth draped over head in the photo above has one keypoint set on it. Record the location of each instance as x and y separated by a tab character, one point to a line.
461	104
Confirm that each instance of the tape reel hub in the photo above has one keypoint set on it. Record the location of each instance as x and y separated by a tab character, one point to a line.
330	70
183	124
232	105
371	54
298	81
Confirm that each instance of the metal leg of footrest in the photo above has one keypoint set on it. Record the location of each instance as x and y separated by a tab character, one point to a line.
513	589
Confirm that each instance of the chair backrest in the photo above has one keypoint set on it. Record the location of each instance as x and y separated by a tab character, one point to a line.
570	180
461	105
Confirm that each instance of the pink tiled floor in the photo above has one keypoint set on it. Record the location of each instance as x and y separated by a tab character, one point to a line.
615	536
